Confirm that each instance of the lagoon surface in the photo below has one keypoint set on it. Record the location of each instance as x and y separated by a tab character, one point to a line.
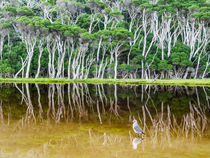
86	121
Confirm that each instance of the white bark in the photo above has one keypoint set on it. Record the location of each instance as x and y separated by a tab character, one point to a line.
41	49
207	65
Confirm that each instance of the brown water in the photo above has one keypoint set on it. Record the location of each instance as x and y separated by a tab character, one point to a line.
80	120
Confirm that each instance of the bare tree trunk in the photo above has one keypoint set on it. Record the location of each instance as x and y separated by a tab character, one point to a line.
30	44
61	47
196	72
97	57
69	61
39	59
1	46
22	68
115	66
207	65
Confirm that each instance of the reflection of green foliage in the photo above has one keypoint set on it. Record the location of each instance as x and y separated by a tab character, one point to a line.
180	105
177	100
124	94
164	97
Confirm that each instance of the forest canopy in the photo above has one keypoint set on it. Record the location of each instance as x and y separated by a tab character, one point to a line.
80	39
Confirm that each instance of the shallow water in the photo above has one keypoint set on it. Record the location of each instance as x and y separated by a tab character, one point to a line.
80	120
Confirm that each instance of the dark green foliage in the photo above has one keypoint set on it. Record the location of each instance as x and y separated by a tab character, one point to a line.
12	55
10	9
25	11
121	33
164	65
48	2
180	59
128	67
129	31
5	25
98	3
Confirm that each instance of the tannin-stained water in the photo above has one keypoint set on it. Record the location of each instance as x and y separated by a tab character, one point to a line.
80	120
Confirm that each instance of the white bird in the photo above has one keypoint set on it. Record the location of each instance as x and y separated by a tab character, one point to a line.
137	129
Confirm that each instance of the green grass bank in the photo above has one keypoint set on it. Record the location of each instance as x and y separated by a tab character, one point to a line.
181	82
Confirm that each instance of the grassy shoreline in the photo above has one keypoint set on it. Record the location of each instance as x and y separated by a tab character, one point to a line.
181	82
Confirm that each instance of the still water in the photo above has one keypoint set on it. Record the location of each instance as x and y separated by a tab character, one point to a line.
81	120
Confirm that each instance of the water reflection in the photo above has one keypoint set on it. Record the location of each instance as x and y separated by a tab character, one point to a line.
136	142
97	119
159	109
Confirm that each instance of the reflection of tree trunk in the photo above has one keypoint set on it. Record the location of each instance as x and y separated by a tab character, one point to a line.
207	97
22	93
116	101
69	100
1	113
142	93
101	98
23	87
88	102
99	114
89	99
128	105
144	117
39	102
61	111
198	99
186	90
103	93
51	102
30	109
78	100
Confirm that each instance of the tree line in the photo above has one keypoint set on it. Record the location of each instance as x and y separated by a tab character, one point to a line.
80	39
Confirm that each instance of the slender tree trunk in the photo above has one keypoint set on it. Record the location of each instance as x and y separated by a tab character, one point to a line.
39	59
197	67
29	64
30	44
115	66
207	65
1	46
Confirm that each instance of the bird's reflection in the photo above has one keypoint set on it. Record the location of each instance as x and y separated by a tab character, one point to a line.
136	141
